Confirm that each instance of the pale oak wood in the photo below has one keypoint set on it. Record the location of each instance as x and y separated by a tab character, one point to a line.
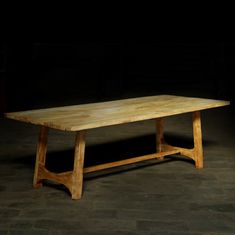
197	133
160	135
40	156
64	178
81	117
196	153
77	180
73	180
87	116
129	161
183	151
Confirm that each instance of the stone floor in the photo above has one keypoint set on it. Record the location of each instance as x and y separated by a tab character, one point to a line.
167	197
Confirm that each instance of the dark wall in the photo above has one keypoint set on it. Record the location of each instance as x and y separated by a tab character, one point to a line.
38	75
3	63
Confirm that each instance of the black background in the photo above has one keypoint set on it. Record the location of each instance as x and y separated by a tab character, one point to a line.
38	75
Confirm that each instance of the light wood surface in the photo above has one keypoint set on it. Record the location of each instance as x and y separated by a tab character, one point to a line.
197	133
160	135
73	180
87	116
81	117
40	156
130	161
196	153
77	180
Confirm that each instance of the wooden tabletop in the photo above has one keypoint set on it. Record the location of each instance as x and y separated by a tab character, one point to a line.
87	116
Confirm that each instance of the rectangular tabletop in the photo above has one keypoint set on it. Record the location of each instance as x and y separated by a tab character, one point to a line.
93	115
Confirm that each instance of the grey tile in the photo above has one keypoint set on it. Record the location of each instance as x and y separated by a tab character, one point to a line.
162	226
170	197
29	232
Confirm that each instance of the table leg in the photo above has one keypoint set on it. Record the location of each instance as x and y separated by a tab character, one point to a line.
196	153
77	175
40	156
160	135
73	180
197	136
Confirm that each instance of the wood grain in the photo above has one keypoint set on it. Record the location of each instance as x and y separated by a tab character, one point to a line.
197	134
87	116
132	160
196	153
73	180
77	179
81	117
160	135
40	156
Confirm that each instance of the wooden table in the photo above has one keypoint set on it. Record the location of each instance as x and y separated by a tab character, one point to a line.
80	118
